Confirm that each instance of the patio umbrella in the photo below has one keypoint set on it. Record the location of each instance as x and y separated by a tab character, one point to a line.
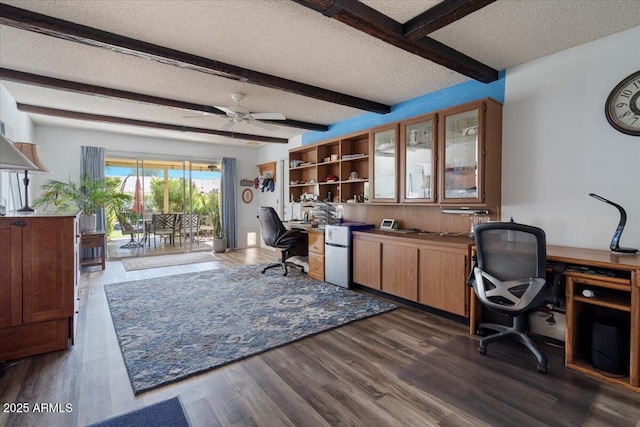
138	207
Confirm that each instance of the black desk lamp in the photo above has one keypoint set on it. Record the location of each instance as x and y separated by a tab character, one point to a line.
615	242
30	151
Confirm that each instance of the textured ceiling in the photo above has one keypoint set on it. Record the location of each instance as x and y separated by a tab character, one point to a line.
284	39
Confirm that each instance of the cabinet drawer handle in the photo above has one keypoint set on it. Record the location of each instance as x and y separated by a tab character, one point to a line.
20	223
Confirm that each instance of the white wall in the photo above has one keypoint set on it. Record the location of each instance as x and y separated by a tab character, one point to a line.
60	151
279	199
19	128
558	145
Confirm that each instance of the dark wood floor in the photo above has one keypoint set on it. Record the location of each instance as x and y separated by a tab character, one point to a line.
348	376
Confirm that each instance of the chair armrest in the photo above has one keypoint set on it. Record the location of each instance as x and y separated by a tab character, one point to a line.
289	236
502	289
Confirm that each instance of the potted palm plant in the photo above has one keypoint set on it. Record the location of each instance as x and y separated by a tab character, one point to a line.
211	204
87	196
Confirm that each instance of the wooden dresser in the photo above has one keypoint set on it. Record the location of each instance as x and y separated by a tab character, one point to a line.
39	273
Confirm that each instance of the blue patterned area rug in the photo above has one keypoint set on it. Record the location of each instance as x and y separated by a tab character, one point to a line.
170	328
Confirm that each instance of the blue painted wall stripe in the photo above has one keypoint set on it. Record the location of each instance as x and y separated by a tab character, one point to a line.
438	100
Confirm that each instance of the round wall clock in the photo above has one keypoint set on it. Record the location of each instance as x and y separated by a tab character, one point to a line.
623	105
247	195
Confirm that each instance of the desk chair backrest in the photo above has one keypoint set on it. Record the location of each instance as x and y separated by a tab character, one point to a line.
512	253
272	227
275	234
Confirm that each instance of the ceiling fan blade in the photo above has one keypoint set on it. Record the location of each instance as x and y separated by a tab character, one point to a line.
262	125
228	125
227	110
203	114
268	116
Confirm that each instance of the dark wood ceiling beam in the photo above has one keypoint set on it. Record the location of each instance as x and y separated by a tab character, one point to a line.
87	89
43	24
368	20
440	16
35	109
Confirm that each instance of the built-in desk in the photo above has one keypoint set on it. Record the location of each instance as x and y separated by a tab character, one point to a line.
427	268
617	277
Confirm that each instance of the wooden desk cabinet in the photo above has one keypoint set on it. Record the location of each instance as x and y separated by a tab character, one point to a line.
39	264
619	298
431	270
316	254
93	239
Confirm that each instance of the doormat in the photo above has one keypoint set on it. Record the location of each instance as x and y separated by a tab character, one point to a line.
504	388
169	413
145	262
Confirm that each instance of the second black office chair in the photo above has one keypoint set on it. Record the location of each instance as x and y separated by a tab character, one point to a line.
277	236
510	278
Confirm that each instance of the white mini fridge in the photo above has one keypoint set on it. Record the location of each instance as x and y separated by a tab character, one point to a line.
337	252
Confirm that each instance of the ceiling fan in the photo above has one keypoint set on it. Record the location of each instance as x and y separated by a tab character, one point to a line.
239	114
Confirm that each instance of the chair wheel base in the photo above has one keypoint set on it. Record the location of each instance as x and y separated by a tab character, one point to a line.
542	368
482	350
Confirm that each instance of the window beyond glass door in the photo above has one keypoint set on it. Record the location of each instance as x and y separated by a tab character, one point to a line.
418	161
461	156
385	165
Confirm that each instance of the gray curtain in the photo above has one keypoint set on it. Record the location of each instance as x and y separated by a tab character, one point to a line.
228	200
92	162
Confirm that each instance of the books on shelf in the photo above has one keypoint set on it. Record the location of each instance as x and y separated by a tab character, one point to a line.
352	156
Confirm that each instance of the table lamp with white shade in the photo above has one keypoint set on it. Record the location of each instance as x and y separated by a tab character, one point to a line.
15	163
11	158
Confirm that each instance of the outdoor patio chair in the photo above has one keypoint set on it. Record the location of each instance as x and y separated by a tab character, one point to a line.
163	225
128	228
189	225
205	226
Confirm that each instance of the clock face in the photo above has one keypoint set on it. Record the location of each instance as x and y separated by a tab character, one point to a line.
623	105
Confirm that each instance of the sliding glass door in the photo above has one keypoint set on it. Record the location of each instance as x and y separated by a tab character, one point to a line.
168	212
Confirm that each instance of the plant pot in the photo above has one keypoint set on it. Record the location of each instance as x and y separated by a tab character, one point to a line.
220	245
88	222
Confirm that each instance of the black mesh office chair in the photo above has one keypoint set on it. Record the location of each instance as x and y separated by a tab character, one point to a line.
276	235
510	278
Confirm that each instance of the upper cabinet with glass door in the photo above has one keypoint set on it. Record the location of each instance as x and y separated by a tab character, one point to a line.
418	159
384	164
470	154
